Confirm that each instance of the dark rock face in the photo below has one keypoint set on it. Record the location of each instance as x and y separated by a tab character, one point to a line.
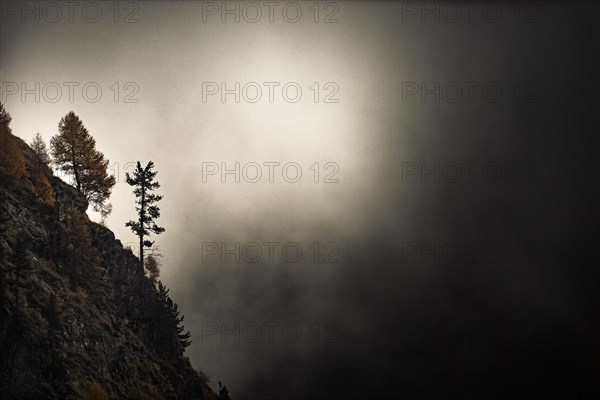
75	323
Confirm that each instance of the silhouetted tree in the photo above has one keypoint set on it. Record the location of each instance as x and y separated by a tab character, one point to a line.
40	149
169	327
74	152
183	339
223	392
12	164
41	169
77	247
143	181
5	117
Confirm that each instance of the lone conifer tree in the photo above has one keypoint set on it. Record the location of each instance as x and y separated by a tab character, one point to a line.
74	151
143	180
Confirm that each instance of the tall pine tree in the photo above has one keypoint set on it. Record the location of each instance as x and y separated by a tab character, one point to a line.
143	181
74	152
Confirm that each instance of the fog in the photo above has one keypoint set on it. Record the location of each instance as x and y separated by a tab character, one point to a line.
446	217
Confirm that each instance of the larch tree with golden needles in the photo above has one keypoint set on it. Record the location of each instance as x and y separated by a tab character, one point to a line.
45	191
39	147
41	167
74	152
12	163
153	267
153	264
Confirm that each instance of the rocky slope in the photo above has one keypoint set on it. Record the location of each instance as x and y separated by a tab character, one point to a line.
78	315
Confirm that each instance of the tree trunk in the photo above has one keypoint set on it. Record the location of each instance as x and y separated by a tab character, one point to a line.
142	206
75	169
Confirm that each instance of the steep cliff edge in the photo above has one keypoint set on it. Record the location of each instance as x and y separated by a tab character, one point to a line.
78	316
